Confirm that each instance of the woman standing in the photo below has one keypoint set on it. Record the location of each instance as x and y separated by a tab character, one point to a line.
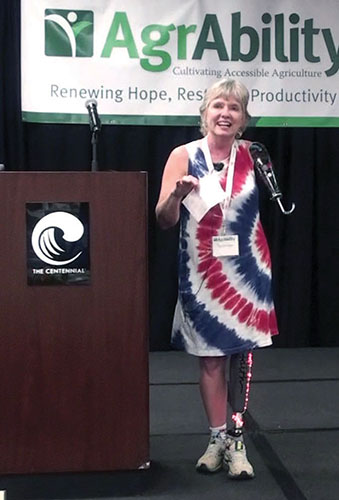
224	308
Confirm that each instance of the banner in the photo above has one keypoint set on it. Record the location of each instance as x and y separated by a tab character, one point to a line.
150	61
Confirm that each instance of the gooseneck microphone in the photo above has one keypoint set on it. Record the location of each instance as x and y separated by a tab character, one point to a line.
95	126
94	119
263	165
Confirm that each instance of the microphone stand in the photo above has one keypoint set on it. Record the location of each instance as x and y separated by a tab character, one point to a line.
94	142
95	126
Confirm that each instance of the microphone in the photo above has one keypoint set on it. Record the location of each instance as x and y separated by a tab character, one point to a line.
263	165
94	119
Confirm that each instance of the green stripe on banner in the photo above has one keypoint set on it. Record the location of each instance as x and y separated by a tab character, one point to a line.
111	119
295	121
194	121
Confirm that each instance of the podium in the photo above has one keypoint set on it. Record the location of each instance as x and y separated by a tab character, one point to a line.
74	358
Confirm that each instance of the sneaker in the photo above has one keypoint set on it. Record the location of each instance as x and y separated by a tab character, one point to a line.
235	459
212	459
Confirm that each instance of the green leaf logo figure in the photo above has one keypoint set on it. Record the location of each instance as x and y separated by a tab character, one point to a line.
68	33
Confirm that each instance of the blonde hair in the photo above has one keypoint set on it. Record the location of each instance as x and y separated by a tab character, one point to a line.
225	88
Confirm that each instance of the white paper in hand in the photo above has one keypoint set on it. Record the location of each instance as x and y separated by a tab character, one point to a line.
208	194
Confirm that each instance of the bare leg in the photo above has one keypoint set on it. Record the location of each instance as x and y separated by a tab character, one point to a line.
229	449
213	389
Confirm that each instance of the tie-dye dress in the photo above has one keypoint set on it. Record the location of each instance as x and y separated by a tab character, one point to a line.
224	304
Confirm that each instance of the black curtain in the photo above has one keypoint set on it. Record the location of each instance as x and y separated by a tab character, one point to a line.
304	245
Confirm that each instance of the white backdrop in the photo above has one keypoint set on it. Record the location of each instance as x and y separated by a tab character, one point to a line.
150	62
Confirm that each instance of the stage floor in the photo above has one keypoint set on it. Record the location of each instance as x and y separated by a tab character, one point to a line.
292	437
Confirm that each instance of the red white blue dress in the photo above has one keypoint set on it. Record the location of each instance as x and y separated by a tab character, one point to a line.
224	304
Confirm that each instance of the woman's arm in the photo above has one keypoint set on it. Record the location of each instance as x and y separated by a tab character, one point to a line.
176	184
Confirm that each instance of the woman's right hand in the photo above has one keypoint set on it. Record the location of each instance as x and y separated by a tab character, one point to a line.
184	186
176	184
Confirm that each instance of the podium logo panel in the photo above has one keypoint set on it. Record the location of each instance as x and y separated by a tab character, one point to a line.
69	33
58	243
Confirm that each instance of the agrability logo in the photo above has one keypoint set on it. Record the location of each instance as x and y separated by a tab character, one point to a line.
279	37
69	33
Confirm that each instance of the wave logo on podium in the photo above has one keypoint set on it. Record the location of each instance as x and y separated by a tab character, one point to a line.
44	241
69	33
58	243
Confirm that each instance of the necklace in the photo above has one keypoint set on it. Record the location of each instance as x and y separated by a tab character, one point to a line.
218	166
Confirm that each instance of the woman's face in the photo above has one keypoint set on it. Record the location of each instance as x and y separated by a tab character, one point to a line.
224	117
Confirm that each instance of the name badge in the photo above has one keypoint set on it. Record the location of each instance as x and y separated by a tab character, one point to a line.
225	246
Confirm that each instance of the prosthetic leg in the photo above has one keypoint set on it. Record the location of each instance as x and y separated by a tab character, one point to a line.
240	374
235	457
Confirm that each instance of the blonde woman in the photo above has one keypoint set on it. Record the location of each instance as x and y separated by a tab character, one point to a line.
225	307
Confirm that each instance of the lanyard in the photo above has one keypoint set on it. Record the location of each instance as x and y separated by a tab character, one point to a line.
230	175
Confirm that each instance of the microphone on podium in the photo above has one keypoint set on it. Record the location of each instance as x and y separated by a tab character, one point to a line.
94	119
95	126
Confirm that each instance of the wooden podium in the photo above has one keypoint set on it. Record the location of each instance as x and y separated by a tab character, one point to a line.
74	359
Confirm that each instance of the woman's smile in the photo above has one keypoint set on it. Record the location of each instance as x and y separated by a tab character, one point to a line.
224	116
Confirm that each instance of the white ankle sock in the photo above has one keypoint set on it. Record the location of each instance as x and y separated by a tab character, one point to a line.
218	432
